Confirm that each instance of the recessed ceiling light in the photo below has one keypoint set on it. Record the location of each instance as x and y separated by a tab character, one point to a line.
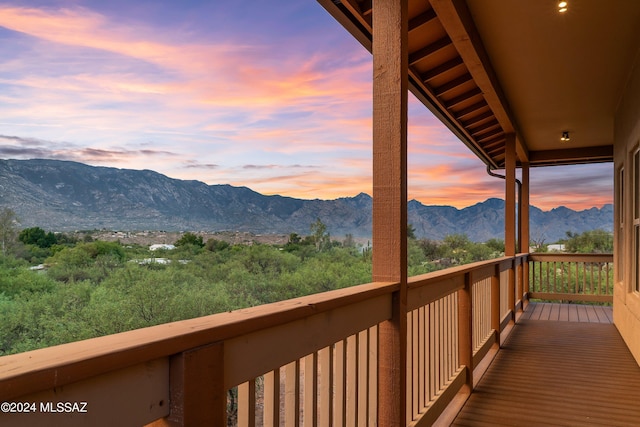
565	136
562	6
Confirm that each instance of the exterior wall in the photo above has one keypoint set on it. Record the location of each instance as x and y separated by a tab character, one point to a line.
626	301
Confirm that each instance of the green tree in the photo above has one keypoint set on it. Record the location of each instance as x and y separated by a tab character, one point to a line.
189	238
8	222
294	238
594	241
38	237
349	242
320	236
411	232
214	245
431	249
496	245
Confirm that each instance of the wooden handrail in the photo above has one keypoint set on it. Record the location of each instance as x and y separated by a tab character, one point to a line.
550	257
56	366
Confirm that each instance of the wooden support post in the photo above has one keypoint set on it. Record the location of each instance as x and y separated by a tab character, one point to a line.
524	244
198	397
519	286
390	85
511	291
510	212
465	331
510	196
495	303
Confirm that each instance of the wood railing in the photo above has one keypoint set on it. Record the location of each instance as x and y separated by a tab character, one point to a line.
306	361
571	277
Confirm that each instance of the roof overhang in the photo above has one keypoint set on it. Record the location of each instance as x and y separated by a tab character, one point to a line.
489	68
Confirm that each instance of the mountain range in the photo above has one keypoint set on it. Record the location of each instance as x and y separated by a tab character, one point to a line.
65	196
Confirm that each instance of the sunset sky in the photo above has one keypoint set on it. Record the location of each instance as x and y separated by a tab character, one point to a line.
275	96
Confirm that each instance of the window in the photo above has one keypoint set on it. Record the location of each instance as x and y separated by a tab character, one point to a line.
636	219
620	252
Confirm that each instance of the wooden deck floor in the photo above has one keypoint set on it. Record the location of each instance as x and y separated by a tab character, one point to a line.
568	312
558	373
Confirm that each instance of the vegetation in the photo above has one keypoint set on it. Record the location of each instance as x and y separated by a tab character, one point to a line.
589	242
576	278
91	288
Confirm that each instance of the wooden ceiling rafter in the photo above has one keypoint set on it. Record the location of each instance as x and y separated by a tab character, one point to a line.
453	84
471	109
477	119
439	75
456	19
430	49
354	7
493	144
441	69
487	135
451	74
422	19
366	7
488	124
451	103
498	150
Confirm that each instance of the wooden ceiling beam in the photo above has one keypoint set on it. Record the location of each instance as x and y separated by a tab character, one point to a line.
421	19
497	150
493	143
598	154
498	156
484	126
464	97
458	23
470	109
441	69
366	7
458	81
484	136
477	119
355	9
430	49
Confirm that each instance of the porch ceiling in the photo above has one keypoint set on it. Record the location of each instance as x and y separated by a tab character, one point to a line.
487	68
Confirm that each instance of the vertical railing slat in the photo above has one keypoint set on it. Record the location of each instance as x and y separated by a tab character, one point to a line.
310	391
373	375
325	390
352	381
292	394
271	411
340	410
247	404
421	358
363	377
412	366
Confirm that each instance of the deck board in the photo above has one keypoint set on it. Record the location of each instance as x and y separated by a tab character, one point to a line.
558	373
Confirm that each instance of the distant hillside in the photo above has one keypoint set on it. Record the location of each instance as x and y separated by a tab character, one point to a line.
60	195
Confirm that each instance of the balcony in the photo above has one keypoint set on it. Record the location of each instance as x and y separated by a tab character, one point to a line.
317	360
412	351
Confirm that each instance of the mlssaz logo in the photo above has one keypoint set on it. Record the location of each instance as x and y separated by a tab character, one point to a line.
65	407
